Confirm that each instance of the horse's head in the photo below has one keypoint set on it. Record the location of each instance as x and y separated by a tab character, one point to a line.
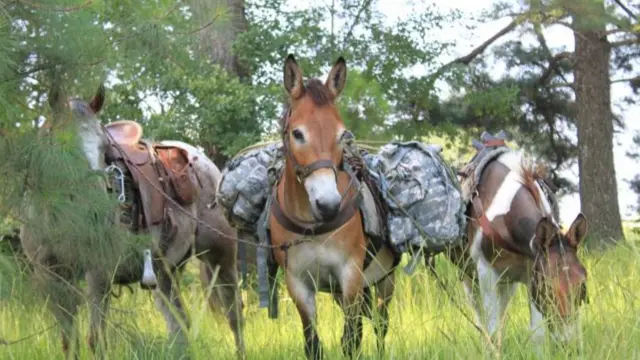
559	278
92	138
312	134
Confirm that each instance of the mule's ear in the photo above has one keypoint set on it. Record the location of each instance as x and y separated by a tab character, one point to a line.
293	78
578	230
98	100
545	231
337	77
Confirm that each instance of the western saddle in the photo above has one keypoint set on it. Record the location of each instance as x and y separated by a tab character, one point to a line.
152	167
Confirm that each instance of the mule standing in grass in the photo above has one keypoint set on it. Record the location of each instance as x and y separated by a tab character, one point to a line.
214	248
514	237
315	215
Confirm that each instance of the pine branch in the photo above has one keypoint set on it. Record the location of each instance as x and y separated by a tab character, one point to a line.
57	9
626	10
635	81
553	66
626	42
467	59
554	61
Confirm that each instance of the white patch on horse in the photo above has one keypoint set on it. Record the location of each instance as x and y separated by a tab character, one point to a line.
322	188
93	145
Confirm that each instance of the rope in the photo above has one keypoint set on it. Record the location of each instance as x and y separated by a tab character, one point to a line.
4	342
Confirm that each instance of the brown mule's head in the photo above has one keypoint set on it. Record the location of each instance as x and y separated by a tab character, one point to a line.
312	134
559	278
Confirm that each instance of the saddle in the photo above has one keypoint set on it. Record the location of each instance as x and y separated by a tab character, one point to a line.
154	168
488	149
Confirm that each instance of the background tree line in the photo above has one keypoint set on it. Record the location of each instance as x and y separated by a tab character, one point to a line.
209	72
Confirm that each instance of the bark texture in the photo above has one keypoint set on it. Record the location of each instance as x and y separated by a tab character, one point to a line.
594	117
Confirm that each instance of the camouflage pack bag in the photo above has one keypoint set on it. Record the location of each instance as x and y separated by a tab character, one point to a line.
423	194
246	184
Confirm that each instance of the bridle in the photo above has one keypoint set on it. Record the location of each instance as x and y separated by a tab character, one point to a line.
303	172
348	206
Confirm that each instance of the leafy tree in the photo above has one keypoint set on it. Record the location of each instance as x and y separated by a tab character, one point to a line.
559	92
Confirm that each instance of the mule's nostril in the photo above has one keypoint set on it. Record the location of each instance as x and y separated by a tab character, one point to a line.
328	211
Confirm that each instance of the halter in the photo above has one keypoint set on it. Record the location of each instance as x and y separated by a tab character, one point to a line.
303	172
291	222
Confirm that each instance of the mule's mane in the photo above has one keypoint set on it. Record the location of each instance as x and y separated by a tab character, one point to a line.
531	173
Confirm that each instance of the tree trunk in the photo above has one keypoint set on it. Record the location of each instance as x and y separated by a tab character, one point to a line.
216	39
222	21
598	187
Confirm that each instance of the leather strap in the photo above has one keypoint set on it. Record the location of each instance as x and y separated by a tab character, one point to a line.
347	211
494	143
489	231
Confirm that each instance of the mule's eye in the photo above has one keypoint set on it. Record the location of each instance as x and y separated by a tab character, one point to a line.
297	134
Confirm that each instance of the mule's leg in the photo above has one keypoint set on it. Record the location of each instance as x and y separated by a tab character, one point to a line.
98	288
167	297
473	296
495	297
536	323
384	294
228	294
64	298
304	298
351	282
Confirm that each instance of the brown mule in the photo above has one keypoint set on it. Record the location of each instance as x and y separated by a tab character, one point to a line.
514	237
214	247
315	215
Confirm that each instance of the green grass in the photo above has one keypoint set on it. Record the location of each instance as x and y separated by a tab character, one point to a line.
425	324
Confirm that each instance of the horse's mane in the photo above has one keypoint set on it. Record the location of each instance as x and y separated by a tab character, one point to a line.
531	173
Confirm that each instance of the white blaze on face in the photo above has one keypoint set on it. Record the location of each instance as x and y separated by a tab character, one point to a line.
322	189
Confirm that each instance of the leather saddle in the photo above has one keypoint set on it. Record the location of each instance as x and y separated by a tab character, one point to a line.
154	168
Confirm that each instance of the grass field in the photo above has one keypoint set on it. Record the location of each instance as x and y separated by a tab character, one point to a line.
425	324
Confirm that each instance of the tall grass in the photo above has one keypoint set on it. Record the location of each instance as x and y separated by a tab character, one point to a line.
425	324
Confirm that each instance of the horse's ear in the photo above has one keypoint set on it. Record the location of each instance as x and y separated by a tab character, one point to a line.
98	100
578	230
337	77
545	231
293	78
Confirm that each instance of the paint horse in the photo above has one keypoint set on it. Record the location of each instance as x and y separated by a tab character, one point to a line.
315	223
514	237
170	218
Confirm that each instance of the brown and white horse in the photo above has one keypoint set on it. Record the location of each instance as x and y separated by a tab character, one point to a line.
315	215
514	237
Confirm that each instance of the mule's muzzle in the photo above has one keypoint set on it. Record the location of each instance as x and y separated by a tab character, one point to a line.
327	210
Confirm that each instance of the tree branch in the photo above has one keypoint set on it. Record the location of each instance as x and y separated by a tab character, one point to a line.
626	9
626	42
364	5
467	59
633	80
553	66
554	61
